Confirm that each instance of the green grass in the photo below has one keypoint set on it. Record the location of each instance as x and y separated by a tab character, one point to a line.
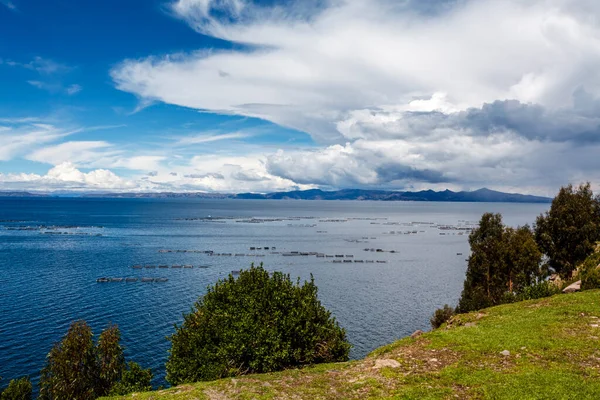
554	354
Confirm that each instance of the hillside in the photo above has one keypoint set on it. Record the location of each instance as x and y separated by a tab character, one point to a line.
553	345
481	195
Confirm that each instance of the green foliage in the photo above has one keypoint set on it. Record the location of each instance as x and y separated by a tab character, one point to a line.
441	315
18	389
568	232
590	273
538	291
134	379
503	262
111	361
71	369
255	323
77	368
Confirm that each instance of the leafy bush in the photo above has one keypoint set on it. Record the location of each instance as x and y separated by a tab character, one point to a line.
134	379
441	316
590	274
18	389
77	368
255	323
538	291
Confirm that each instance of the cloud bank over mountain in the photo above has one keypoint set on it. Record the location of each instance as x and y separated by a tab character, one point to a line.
455	94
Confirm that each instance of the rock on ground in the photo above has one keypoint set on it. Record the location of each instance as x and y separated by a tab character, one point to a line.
574	287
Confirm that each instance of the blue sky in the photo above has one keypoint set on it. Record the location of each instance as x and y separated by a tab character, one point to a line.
235	95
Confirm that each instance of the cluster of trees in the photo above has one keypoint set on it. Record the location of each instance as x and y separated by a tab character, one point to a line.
259	322
508	264
79	368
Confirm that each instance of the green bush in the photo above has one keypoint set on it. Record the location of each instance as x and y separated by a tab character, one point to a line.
18	389
538	291
134	379
441	315
590	274
255	323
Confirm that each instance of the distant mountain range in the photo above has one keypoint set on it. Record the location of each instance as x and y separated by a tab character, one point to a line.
481	195
22	194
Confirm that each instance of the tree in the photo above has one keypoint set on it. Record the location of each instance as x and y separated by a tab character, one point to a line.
523	259
483	285
71	369
503	262
77	368
255	323
18	389
111	361
568	232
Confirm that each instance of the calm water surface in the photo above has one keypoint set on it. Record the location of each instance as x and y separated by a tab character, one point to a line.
48	275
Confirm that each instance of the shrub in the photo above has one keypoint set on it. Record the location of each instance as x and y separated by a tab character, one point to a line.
590	274
134	379
18	389
77	368
255	323
538	291
441	316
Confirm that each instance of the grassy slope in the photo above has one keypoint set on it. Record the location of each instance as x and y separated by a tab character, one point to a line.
554	354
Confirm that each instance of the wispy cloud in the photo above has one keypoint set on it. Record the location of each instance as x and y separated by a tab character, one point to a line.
208	138
9	4
56	87
73	89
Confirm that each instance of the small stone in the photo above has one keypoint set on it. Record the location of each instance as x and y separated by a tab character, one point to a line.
433	360
505	353
416	334
470	324
523	348
594	325
382	363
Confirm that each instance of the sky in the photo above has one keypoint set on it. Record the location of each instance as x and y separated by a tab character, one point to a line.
271	95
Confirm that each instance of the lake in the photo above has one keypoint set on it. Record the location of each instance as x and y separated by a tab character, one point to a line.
53	250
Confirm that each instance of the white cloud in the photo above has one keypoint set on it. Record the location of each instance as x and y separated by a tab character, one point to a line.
66	177
400	94
208	138
77	152
73	89
24	134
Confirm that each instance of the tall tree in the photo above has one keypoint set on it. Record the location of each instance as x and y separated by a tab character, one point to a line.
111	361
71	367
488	248
523	259
568	232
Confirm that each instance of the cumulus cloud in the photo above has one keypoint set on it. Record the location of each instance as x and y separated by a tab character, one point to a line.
66	177
501	93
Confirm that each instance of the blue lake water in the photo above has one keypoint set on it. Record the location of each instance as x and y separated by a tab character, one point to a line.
52	250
